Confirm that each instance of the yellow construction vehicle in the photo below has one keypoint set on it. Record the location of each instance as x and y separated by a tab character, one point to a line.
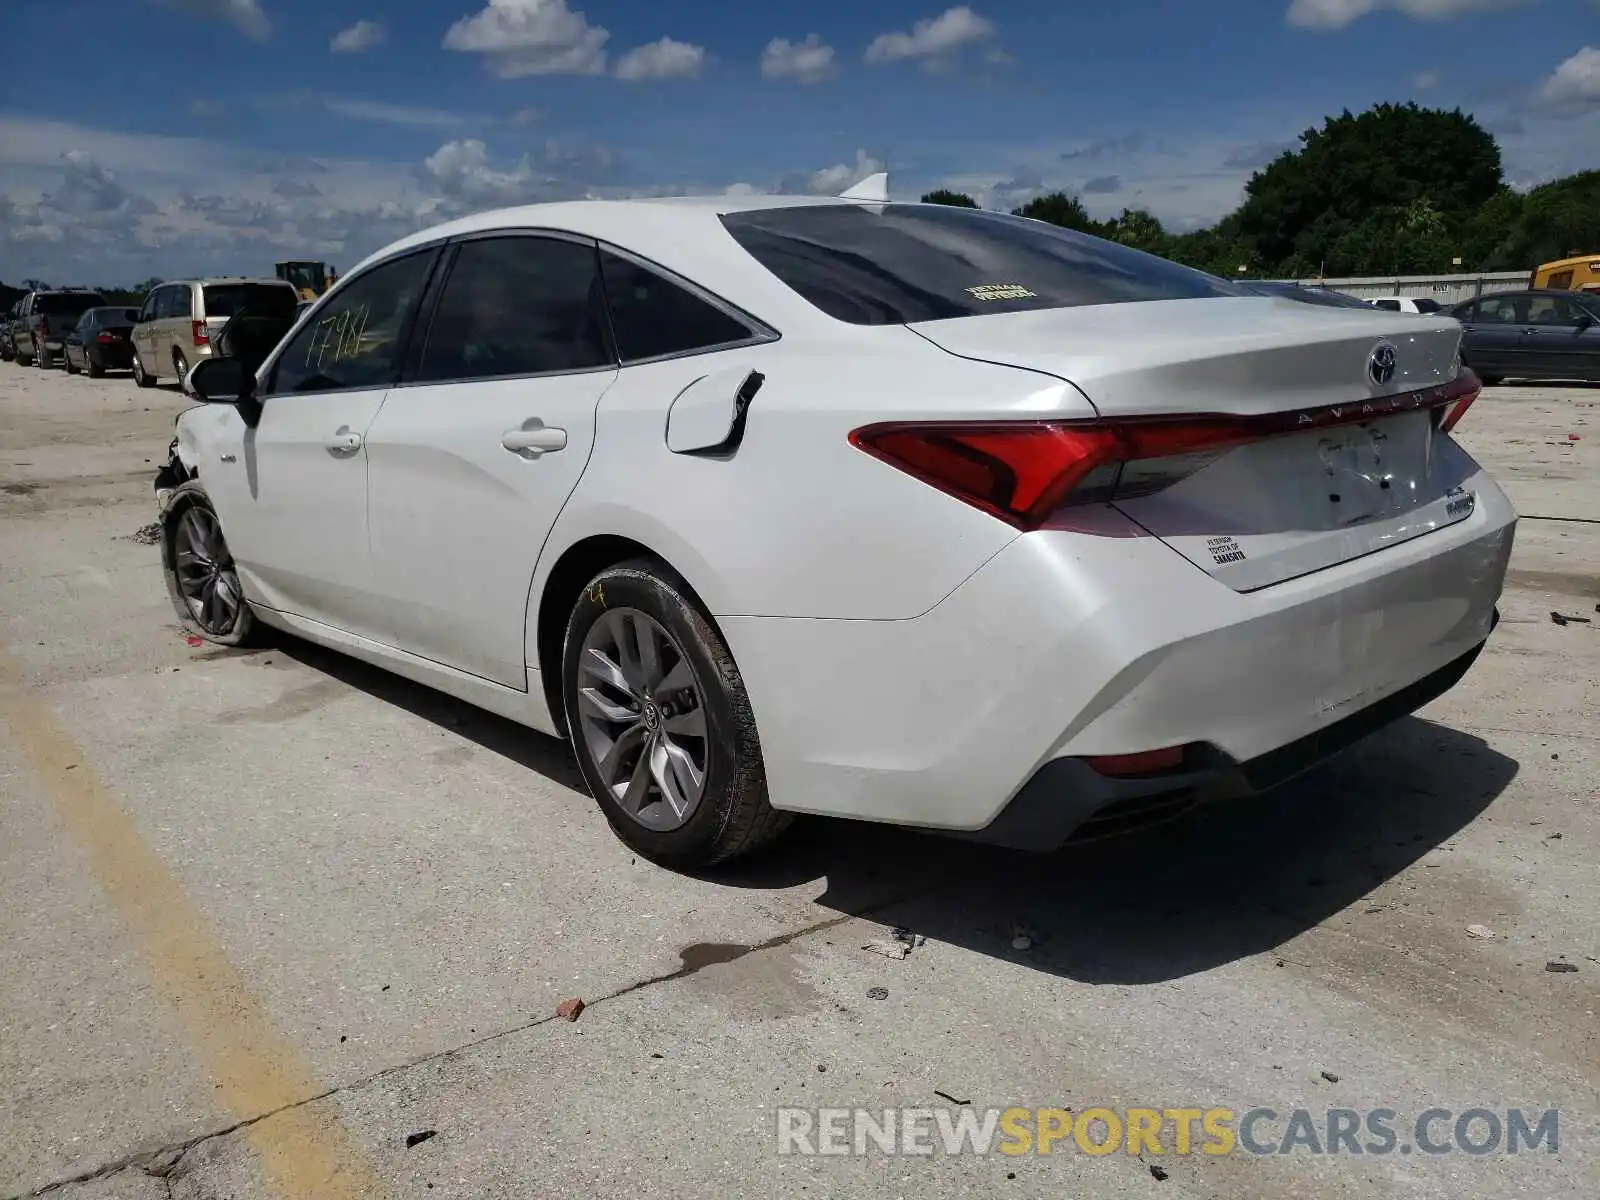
1580	273
310	279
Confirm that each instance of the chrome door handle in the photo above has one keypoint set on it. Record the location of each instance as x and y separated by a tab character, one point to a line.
534	438
344	440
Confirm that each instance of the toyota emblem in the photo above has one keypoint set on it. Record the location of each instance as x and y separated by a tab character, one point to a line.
1381	363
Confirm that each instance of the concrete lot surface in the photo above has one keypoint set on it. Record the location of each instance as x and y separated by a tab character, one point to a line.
269	916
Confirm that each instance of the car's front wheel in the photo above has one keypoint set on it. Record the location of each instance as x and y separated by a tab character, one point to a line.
201	577
658	715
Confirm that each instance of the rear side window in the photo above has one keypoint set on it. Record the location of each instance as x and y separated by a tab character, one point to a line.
653	317
891	264
67	304
1502	310
1427	306
518	306
174	301
259	299
1390	305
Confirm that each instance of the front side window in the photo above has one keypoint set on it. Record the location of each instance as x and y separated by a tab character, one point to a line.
356	340
1551	310
518	306
653	317
891	264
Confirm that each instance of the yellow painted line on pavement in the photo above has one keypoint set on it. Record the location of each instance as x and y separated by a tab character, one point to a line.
307	1154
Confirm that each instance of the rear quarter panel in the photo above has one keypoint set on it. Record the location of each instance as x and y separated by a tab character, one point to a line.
796	522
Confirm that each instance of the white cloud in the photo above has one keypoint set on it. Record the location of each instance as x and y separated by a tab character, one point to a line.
830	181
1425	81
84	205
244	15
392	114
932	39
363	35
1336	14
1574	89
531	37
665	59
810	61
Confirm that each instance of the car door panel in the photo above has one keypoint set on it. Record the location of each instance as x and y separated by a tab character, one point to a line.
1491	336
291	488
458	519
472	461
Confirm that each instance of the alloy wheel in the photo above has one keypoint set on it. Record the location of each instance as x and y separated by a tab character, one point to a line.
642	718
206	576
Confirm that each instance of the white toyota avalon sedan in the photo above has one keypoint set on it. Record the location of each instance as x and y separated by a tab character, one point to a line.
886	511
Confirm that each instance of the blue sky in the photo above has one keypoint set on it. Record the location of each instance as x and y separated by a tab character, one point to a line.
220	135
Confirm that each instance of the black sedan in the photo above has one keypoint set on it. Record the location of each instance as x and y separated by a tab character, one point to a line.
1535	334
100	342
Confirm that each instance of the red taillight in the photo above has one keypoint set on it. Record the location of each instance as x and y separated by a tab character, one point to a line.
199	329
1025	471
1453	412
105	339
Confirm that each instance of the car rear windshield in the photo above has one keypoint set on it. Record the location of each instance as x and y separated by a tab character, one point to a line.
66	304
261	299
891	264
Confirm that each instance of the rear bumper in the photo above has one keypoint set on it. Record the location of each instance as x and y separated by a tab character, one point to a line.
1069	645
1066	800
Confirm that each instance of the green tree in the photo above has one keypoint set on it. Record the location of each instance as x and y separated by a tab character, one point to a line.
1058	208
954	199
1553	221
1332	197
1139	229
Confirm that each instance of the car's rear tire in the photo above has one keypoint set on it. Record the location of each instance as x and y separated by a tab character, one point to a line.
180	364
201	578
139	376
663	733
92	367
66	363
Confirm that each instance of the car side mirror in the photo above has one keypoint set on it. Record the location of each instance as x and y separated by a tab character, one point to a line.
1584	321
221	381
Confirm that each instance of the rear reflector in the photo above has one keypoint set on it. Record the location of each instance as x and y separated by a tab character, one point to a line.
1145	762
199	330
1025	471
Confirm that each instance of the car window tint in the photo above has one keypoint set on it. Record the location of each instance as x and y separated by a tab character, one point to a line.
1391	305
891	264
518	306
1498	310
652	316
1551	310
230	299
355	341
181	301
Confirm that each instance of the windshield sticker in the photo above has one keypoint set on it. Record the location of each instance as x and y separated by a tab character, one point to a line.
1001	291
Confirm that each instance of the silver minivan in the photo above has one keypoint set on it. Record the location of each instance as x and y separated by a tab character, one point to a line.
180	317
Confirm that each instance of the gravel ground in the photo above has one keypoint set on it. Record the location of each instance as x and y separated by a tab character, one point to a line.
279	924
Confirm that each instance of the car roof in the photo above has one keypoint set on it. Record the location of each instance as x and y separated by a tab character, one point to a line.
681	233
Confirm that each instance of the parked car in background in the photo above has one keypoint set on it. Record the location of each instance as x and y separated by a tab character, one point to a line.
179	319
1306	295
8	326
100	342
1535	334
45	320
1408	304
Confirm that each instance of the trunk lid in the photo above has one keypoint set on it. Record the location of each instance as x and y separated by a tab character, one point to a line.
1286	505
